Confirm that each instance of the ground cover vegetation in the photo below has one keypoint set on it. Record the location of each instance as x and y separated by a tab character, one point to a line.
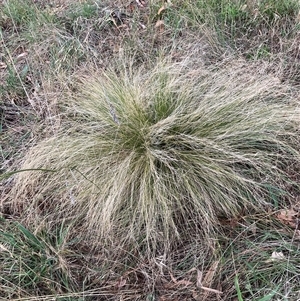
149	150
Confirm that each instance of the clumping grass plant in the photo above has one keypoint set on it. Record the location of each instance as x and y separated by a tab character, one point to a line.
142	156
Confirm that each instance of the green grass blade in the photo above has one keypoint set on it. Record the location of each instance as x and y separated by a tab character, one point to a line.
31	237
9	174
237	287
269	296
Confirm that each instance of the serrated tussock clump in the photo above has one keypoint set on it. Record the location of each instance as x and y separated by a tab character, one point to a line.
144	155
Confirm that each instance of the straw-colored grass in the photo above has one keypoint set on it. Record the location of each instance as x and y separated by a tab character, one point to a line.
145	155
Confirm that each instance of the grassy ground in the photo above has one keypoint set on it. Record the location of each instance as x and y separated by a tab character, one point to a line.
149	150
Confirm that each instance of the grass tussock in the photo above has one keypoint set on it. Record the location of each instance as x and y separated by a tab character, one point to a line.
143	155
143	158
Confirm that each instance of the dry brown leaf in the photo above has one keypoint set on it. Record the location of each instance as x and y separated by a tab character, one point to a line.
184	283
160	26
288	217
142	25
166	5
206	282
2	248
3	65
21	56
161	10
180	282
277	256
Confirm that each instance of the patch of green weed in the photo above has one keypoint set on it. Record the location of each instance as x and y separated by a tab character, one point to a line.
34	263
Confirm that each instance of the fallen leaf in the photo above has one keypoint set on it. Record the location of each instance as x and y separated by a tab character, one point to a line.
288	217
207	282
2	248
21	56
161	10
276	256
204	283
159	24
244	7
209	276
180	282
142	25
166	5
184	283
3	65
